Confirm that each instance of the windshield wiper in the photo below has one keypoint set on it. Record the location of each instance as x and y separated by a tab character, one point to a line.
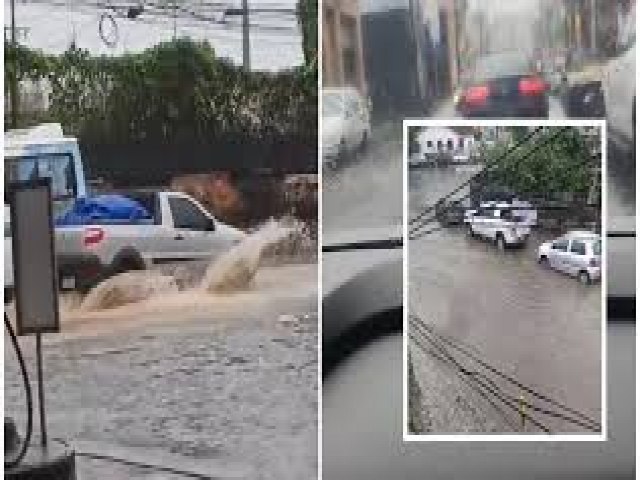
385	244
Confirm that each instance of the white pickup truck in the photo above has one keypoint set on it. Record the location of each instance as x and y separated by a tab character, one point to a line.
178	229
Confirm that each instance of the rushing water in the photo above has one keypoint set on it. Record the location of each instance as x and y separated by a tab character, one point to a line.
276	242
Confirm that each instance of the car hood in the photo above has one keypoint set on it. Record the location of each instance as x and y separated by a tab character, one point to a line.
359	280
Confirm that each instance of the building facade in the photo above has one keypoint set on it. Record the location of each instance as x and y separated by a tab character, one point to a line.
342	57
449	141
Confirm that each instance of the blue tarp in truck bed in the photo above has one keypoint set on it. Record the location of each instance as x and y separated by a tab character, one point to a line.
104	209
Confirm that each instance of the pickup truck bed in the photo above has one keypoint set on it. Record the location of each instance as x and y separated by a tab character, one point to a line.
179	229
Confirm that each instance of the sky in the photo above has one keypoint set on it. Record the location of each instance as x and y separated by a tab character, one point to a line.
51	26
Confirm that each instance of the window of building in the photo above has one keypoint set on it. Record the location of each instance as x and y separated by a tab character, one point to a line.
349	55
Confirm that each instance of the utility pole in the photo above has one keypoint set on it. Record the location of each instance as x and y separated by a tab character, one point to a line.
593	26
175	19
246	61
13	87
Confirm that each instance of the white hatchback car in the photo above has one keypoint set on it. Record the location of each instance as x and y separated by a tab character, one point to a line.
577	253
346	126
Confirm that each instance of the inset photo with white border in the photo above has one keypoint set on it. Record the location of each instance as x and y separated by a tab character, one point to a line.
504	280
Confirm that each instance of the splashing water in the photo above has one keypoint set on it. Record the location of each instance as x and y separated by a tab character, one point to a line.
236	269
127	288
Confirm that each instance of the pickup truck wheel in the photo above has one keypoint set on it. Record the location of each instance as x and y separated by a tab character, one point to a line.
471	232
583	278
544	261
127	264
364	143
343	153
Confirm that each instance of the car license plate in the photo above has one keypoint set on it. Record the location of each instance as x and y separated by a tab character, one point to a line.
68	283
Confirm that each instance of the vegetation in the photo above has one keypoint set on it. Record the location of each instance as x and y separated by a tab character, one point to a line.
558	164
308	18
175	91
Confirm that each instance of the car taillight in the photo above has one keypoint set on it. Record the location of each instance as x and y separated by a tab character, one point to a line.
477	94
532	86
93	236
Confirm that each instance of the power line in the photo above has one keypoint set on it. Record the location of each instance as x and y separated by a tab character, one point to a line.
473	378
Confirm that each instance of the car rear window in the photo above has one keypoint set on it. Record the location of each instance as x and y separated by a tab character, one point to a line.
560	245
499	65
578	247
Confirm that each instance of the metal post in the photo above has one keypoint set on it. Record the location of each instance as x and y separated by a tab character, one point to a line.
522	407
41	408
175	20
246	61
13	80
593	26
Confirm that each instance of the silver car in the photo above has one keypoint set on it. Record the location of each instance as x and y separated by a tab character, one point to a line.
577	253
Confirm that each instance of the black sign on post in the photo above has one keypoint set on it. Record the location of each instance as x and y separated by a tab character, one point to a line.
35	278
34	266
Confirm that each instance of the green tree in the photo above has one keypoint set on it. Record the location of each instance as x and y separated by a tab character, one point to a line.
308	18
175	91
556	162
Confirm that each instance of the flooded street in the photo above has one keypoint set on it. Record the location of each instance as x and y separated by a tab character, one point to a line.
367	192
217	383
539	326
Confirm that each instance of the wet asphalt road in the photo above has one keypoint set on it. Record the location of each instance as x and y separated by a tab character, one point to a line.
536	315
224	387
367	191
538	326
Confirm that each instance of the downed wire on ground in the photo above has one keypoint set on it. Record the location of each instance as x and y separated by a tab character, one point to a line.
477	373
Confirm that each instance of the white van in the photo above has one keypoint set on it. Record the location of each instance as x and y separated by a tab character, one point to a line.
40	152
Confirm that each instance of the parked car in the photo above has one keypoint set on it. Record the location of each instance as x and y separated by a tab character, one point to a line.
581	85
503	226
178	228
504	84
619	81
577	253
346	126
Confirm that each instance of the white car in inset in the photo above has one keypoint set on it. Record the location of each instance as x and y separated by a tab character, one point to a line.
503	226
527	213
578	253
346	126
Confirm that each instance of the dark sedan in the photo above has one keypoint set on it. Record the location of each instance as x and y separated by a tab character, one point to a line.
503	84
